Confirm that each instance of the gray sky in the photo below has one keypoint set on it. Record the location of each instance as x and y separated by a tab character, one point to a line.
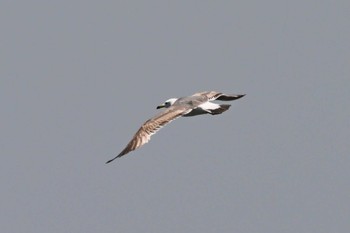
79	77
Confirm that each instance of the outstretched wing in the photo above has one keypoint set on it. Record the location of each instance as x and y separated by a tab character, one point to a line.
150	127
214	95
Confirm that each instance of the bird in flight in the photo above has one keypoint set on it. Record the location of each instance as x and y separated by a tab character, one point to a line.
196	104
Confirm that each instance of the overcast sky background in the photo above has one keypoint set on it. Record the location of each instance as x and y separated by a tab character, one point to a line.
78	78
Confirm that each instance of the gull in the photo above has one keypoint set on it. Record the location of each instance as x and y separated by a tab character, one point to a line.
196	104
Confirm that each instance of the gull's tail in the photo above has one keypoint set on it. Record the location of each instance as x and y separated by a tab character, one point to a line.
221	109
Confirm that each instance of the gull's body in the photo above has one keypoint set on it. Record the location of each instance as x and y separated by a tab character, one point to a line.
194	105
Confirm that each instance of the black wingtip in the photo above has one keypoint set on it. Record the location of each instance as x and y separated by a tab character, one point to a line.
120	155
111	160
224	97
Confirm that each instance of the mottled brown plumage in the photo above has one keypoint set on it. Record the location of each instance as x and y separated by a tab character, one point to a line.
150	127
196	104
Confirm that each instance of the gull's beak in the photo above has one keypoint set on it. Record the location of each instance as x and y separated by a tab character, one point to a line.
161	106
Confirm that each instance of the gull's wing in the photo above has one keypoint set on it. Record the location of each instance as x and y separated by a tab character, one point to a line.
150	127
214	95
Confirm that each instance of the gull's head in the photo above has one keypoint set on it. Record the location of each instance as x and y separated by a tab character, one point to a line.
167	103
